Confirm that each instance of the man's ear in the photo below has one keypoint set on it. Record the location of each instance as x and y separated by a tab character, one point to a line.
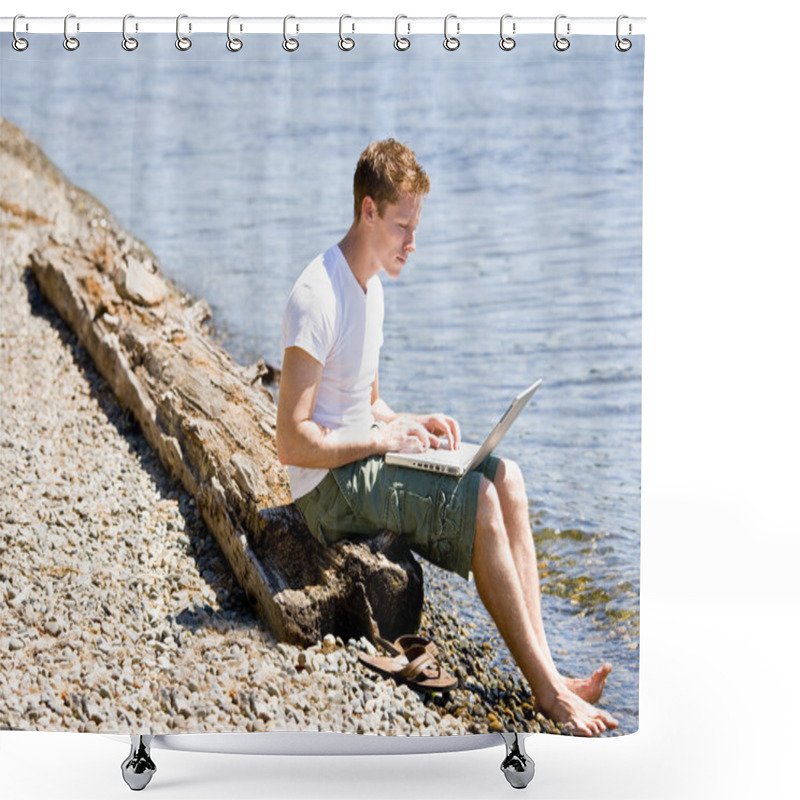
369	210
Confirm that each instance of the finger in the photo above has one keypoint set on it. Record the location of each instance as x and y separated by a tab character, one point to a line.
454	432
422	436
457	429
411	444
446	430
440	425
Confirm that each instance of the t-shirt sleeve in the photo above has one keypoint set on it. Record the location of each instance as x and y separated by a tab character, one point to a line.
308	323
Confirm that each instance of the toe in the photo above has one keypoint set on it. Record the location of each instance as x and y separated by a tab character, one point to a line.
609	721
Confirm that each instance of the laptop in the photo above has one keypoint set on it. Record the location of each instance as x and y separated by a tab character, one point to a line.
468	456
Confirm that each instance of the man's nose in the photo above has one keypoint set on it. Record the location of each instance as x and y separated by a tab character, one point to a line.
410	243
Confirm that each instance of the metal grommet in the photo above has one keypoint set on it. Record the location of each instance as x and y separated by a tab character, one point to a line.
345	42
561	43
400	42
183	43
623	45
451	42
234	45
289	45
128	42
507	42
70	42
19	44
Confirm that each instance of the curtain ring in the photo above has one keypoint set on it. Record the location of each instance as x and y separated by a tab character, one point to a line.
451	42
561	43
345	43
19	44
70	42
289	45
506	42
183	43
400	42
623	45
234	45
128	42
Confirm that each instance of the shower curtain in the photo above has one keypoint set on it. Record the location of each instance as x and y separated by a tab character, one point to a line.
160	197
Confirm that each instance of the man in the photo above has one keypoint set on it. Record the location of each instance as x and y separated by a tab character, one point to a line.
334	429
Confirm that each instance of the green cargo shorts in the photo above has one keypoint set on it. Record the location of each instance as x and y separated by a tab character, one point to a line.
435	514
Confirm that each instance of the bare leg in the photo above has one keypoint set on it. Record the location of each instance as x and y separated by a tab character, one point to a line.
502	593
510	487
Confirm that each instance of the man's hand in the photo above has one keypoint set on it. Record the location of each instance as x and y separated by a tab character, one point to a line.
440	425
417	433
403	435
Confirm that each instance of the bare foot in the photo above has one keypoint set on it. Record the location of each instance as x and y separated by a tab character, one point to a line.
590	689
578	716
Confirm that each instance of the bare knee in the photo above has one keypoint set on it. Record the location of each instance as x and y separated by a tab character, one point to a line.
510	487
491	537
490	510
509	480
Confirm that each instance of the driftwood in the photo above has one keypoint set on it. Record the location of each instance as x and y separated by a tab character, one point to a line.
211	420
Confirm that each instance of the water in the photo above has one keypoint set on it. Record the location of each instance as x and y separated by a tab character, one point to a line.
237	171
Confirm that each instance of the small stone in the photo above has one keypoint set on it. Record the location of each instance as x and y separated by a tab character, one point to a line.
287	651
328	643
261	710
273	690
15	644
94	713
182	706
135	282
367	646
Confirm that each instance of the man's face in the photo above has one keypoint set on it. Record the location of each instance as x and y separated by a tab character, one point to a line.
394	233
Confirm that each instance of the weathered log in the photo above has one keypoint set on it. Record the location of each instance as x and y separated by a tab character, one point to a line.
211	420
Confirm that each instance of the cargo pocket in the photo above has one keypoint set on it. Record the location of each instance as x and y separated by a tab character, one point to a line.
423	523
343	478
313	507
444	542
357	484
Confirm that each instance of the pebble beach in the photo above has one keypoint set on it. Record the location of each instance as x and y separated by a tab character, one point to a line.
118	612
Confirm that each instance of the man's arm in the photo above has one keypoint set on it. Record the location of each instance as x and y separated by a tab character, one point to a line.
302	442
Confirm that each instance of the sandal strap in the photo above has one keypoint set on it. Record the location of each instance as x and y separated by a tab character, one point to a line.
411	651
416	666
421	641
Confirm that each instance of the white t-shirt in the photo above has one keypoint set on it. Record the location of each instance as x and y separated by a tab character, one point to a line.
330	316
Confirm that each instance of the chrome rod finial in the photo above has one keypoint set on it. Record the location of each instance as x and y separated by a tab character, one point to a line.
518	766
138	768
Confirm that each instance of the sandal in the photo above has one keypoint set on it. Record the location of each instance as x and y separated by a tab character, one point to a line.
416	665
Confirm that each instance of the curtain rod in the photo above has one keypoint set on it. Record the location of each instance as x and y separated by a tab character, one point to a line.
406	25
